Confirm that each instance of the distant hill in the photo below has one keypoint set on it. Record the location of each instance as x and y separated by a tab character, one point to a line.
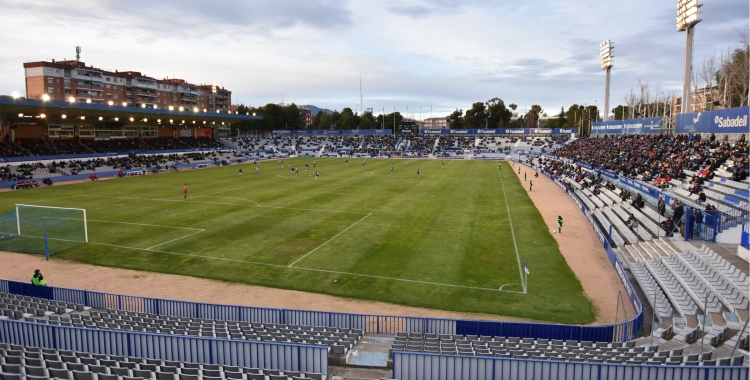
314	110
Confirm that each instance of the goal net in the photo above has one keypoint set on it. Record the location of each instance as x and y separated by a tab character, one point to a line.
23	229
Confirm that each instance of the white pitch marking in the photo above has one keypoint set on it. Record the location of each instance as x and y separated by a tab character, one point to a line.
147	225
512	231
303	268
221	203
326	242
166	242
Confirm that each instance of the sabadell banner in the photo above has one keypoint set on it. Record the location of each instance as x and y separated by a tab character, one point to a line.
733	120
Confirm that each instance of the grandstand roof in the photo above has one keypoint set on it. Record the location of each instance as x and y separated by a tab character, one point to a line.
32	109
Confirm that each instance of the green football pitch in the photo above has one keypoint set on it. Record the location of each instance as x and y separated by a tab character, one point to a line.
457	238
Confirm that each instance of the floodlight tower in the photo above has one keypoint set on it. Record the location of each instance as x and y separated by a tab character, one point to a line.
687	18
605	50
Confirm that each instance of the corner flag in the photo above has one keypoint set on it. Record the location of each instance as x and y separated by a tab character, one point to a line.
526	267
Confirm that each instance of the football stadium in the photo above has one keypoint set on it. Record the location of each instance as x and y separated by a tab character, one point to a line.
158	229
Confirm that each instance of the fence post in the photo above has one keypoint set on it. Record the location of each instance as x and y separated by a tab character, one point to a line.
46	247
688	223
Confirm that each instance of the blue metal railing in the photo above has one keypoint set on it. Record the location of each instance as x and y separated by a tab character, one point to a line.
290	357
424	366
370	324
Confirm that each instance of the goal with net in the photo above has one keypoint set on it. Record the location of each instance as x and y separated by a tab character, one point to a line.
25	227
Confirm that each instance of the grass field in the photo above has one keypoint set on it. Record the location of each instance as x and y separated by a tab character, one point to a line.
454	239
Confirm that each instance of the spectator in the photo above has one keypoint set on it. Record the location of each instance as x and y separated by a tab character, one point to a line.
37	279
679	211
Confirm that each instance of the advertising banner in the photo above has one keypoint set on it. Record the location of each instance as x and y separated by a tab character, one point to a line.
630	126
322	132
733	120
500	131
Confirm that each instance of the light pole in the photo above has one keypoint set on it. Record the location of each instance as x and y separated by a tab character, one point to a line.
687	18
605	50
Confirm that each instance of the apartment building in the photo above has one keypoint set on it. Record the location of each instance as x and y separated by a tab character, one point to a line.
435	123
73	81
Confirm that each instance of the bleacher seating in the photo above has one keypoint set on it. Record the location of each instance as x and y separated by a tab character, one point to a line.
675	292
31	363
40	310
554	350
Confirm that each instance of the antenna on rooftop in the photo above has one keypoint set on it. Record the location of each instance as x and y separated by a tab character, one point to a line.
361	108
78	53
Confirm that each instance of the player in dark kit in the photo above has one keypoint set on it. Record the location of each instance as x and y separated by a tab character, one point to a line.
240	173
391	168
317	175
417	173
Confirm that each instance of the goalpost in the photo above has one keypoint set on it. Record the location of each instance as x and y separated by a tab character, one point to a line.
60	223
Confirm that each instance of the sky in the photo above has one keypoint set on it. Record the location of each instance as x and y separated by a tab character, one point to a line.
438	55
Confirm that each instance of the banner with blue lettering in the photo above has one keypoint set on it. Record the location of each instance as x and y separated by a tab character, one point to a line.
630	126
732	120
321	132
500	131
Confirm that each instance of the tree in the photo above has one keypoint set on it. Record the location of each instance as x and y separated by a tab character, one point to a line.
367	121
476	116
620	111
498	115
532	117
513	106
321	120
386	121
293	118
456	119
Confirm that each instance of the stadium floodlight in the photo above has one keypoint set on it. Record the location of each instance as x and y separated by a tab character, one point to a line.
253	113
45	97
132	119
205	110
124	104
117	119
16	95
42	116
83	117
181	108
143	105
195	109
687	18
158	121
605	50
20	115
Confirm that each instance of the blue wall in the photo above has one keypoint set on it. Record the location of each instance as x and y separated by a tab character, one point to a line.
630	126
733	120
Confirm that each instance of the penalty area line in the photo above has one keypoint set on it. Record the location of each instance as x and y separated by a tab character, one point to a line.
308	269
327	241
512	231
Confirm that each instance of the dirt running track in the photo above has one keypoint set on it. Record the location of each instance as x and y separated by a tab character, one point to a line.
578	244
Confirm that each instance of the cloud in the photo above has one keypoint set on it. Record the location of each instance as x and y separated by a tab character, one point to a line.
444	53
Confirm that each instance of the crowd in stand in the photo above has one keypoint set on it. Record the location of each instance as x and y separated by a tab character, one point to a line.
49	147
659	158
26	172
